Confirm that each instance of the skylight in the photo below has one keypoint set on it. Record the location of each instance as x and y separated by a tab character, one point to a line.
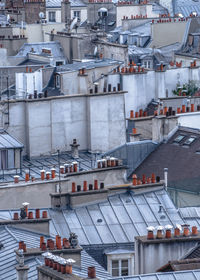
179	138
189	141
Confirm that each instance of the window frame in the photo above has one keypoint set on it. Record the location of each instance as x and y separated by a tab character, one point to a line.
79	14
50	17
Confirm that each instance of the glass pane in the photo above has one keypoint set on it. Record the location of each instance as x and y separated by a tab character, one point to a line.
124	263
115	264
124	272
115	272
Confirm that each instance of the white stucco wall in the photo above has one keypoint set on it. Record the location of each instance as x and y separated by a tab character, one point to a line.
128	10
142	88
43	126
190	120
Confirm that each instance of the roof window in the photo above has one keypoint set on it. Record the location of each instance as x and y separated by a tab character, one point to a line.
189	141
179	138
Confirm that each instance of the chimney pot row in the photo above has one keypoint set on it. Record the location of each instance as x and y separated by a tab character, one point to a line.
145	180
107	162
85	186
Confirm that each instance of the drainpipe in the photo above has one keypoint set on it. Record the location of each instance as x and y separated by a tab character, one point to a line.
166	178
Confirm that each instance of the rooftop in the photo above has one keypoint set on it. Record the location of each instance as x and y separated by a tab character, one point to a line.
57	3
186	7
88	64
181	275
115	220
10	237
86	161
181	155
36	48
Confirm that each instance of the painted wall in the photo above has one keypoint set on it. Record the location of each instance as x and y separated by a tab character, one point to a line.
146	253
57	10
37	193
45	125
133	10
164	34
142	88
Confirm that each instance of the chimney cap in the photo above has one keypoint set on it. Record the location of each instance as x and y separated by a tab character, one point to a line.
160	227
25	203
47	255
150	228
70	261
178	226
168	227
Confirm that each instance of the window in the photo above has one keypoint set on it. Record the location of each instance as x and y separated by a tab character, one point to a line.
52	16
120	267
147	64
179	138
189	141
57	81
77	14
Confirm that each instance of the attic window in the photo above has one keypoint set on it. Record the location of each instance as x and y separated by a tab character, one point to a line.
189	141
179	138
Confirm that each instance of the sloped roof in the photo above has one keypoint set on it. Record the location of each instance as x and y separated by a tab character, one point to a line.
55	47
116	220
57	3
10	236
9	142
181	275
186	7
181	160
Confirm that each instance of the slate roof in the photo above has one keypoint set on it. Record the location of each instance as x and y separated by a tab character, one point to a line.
56	49
181	160
116	220
9	142
186	7
88	64
181	275
57	3
10	237
180	265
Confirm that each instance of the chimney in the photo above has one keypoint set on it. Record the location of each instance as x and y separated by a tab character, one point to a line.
159	232
53	173
22	270
150	234
74	149
91	272
166	178
186	230
168	233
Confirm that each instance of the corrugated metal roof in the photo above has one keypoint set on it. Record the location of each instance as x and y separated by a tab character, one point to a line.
8	142
57	3
10	237
117	220
180	275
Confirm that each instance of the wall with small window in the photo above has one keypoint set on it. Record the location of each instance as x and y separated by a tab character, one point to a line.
80	12
120	264
53	14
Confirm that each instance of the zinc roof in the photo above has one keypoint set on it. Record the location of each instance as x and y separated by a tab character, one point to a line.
9	142
10	237
116	220
180	275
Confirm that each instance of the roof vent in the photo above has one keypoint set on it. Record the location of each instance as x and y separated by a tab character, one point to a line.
99	220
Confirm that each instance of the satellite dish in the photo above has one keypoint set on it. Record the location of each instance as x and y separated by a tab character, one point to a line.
74	22
41	15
